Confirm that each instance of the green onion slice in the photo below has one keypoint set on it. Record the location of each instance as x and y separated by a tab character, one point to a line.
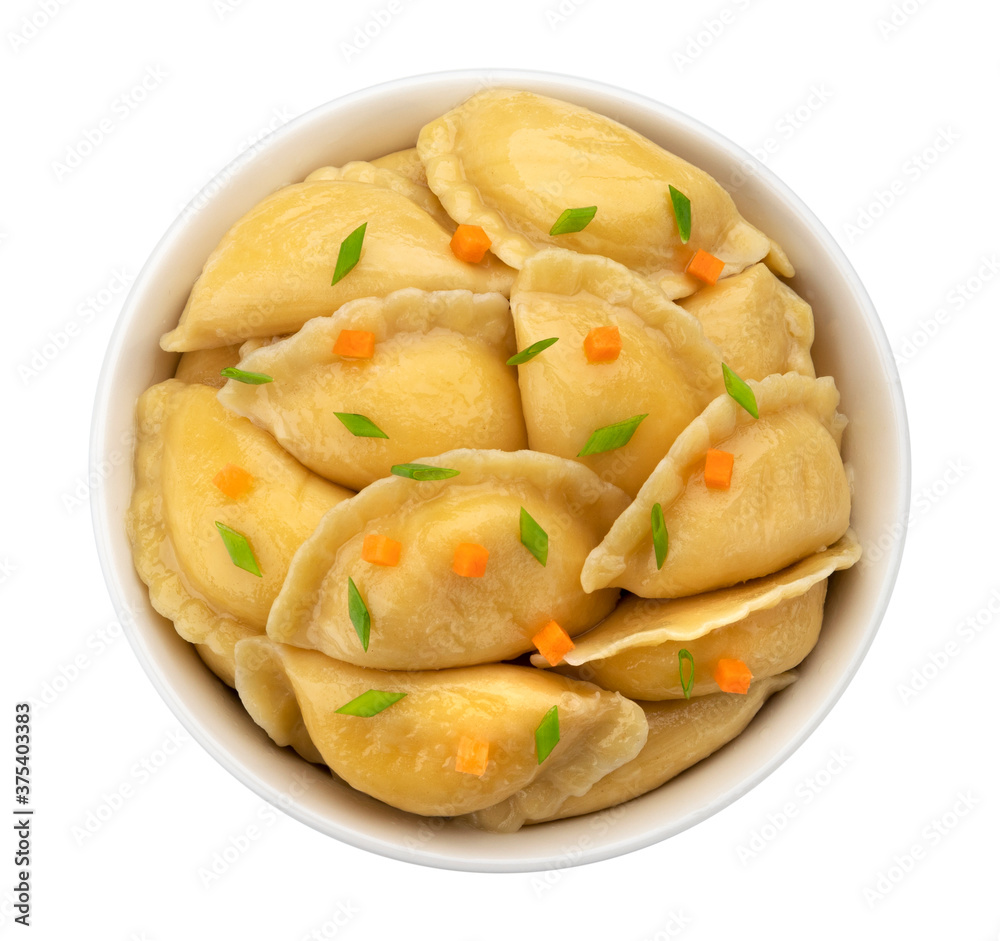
740	391
682	213
241	375
533	537
684	656
573	220
358	611
423	471
547	734
359	426
659	535
611	437
350	253
370	703
238	547
530	352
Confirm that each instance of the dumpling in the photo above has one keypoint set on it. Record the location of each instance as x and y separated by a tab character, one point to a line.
423	615
789	496
406	162
205	366
272	270
770	623
184	439
437	380
512	161
219	649
666	370
406	754
358	171
761	325
680	735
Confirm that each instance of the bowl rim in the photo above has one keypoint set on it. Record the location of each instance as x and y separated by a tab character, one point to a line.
104	536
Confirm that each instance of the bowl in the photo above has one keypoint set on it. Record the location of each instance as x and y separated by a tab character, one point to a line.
850	345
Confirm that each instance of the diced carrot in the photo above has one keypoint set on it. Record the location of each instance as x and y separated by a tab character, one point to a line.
233	481
470	243
553	643
359	344
603	344
380	550
470	560
718	469
705	267
472	756
733	676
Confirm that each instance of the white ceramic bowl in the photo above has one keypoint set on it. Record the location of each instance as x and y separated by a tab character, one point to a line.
850	345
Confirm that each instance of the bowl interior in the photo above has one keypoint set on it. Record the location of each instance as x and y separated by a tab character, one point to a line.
850	345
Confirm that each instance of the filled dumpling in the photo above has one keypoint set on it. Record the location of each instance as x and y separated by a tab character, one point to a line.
273	269
205	366
197	465
406	162
661	364
788	496
680	735
769	623
512	161
433	378
455	742
460	578
759	323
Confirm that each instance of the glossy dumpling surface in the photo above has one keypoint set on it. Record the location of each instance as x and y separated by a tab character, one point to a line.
272	271
205	366
405	755
511	161
789	496
666	369
438	380
185	437
406	162
423	614
759	323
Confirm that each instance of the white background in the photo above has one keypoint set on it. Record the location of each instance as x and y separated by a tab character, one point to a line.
913	104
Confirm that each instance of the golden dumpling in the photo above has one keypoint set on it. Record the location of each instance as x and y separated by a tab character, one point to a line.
666	370
272	270
789	496
769	623
437	380
205	366
759	323
512	161
405	162
424	614
406	754
681	734
185	438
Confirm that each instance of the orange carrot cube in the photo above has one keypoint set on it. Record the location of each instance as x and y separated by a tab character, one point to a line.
472	756
732	676
470	560
603	344
705	267
233	481
358	344
553	643
380	550
718	469
470	243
